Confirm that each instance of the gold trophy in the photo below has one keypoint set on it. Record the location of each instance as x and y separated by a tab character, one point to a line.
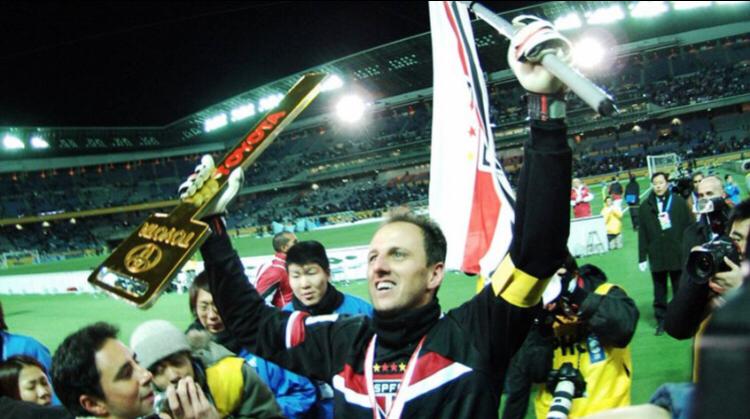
143	265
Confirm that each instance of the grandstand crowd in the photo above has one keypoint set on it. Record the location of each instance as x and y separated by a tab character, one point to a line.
352	164
287	343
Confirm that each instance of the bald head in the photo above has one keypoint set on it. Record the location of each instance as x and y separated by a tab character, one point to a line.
710	187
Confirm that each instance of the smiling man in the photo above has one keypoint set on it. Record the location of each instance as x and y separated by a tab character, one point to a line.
410	359
310	279
96	375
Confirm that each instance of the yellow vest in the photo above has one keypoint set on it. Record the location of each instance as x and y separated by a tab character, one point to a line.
226	383
607	371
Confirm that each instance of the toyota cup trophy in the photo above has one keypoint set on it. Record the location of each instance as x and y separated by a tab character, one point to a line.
145	263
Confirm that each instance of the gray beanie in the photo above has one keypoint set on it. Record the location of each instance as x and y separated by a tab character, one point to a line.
155	340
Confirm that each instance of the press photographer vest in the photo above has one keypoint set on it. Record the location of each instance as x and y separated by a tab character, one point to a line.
607	371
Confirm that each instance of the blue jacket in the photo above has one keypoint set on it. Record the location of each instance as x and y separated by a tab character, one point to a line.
353	306
295	394
25	345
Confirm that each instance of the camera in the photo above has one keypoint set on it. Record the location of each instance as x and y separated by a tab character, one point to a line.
682	186
705	262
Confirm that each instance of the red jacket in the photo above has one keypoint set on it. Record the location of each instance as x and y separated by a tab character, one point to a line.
273	282
580	201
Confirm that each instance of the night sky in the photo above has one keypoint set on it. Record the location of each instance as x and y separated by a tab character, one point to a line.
151	63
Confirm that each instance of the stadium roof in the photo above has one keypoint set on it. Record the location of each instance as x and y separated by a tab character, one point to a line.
386	71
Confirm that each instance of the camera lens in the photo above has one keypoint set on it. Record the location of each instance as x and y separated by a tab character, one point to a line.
704	265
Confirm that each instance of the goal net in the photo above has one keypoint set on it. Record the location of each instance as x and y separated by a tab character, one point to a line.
18	258
667	163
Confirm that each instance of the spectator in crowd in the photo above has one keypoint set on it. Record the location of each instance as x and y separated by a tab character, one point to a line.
12	344
615	191
295	395
405	268
613	221
732	190
24	378
272	278
663	220
693	198
96	375
310	278
580	199
16	409
231	385
633	199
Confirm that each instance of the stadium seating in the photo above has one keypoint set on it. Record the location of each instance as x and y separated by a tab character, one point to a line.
354	168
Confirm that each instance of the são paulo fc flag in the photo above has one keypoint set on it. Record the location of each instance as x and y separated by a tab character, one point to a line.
469	195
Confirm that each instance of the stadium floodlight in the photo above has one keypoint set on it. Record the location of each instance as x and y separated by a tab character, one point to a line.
243	112
567	22
333	82
215	122
39	142
588	53
11	142
648	8
350	108
270	102
684	5
605	15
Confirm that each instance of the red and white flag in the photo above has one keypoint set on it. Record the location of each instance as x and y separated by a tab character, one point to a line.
470	196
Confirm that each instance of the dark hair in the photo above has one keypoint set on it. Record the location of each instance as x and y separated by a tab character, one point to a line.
308	251
740	212
74	370
10	370
657	174
280	240
434	242
200	282
3	326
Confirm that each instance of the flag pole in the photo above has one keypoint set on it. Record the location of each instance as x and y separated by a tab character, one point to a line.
589	92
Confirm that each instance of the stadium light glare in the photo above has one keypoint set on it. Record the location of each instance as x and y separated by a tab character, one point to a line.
567	22
243	112
685	5
588	53
270	102
11	142
350	108
605	15
39	142
332	82
648	8
215	122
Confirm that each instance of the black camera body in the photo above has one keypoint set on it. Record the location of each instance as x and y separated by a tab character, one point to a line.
708	260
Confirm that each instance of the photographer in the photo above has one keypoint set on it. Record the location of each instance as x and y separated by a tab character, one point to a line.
587	323
700	295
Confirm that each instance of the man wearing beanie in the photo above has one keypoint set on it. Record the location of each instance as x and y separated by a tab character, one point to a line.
229	383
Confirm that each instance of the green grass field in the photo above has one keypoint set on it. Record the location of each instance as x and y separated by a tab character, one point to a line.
656	359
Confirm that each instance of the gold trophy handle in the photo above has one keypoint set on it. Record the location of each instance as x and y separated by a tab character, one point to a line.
142	266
